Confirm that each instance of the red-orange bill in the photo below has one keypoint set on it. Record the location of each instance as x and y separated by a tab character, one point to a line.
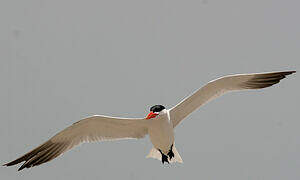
151	115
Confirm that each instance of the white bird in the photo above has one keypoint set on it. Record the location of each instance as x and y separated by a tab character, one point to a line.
159	123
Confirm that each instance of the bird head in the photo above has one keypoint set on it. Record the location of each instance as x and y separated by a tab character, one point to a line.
154	111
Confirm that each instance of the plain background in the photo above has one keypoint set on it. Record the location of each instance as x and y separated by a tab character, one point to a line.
63	60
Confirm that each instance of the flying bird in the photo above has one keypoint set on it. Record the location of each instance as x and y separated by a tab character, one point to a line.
159	124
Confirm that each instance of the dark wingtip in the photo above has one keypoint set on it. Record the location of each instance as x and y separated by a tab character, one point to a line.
22	167
264	80
7	164
286	73
290	72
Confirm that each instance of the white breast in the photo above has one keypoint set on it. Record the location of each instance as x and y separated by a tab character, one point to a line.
161	132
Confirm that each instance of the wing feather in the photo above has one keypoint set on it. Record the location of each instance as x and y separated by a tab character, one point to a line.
95	128
221	86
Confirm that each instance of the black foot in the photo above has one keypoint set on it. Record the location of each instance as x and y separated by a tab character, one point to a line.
164	158
170	153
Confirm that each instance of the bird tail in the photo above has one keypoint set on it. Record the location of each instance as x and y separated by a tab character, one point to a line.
155	154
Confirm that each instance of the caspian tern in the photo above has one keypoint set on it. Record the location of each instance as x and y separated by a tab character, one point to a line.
159	123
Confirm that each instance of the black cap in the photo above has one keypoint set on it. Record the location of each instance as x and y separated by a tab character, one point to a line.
157	108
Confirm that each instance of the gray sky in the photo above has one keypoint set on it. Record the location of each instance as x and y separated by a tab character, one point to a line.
63	60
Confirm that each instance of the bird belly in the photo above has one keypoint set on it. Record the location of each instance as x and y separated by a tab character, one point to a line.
161	134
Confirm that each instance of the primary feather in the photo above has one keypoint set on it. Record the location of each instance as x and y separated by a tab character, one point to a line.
95	128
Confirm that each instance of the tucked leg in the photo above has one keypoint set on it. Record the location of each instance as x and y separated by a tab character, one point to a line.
164	158
170	153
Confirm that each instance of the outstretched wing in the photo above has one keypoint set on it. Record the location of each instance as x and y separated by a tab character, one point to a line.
221	86
95	128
